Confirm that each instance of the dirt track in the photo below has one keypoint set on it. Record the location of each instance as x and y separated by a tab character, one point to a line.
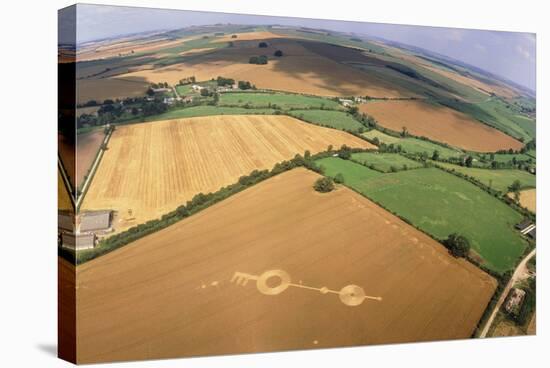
169	294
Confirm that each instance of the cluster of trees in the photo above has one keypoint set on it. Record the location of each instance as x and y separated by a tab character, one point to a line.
278	53
260	60
187	80
458	245
324	184
205	92
111	110
160	85
244	85
221	81
515	188
234	36
262	45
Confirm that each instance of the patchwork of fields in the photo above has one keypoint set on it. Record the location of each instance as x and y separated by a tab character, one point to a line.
440	204
300	71
183	303
381	229
150	169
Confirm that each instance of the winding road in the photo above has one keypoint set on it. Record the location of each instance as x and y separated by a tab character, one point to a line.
518	273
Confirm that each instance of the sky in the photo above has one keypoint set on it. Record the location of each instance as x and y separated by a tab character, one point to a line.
510	55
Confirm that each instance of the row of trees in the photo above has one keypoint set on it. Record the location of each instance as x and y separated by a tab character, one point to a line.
198	203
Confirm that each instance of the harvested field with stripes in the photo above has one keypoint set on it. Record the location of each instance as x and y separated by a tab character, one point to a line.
170	294
150	169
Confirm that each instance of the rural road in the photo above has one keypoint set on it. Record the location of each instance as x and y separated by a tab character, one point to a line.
519	271
178	97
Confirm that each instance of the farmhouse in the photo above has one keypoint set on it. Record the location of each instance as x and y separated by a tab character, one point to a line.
197	88
169	100
346	102
514	301
78	232
160	90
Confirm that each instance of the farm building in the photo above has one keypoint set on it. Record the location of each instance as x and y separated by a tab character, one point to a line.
197	88
160	90
169	100
527	228
78	241
514	301
523	225
80	231
532	233
345	102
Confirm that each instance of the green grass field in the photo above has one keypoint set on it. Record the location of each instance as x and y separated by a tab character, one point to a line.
413	145
282	100
202	110
499	179
440	203
329	118
385	161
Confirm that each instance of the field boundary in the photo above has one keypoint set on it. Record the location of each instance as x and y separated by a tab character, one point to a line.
93	168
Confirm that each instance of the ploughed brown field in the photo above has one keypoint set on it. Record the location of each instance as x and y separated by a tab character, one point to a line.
88	145
150	169
300	70
439	123
170	294
110	88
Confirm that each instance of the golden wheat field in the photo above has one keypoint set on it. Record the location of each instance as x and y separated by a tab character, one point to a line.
170	294
439	123
63	199
150	169
527	199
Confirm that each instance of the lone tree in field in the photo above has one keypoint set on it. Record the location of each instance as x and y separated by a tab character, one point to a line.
262	45
457	245
468	161
435	155
339	178
404	131
278	53
323	185
515	188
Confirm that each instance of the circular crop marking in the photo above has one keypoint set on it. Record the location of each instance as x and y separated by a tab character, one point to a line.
352	295
263	286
